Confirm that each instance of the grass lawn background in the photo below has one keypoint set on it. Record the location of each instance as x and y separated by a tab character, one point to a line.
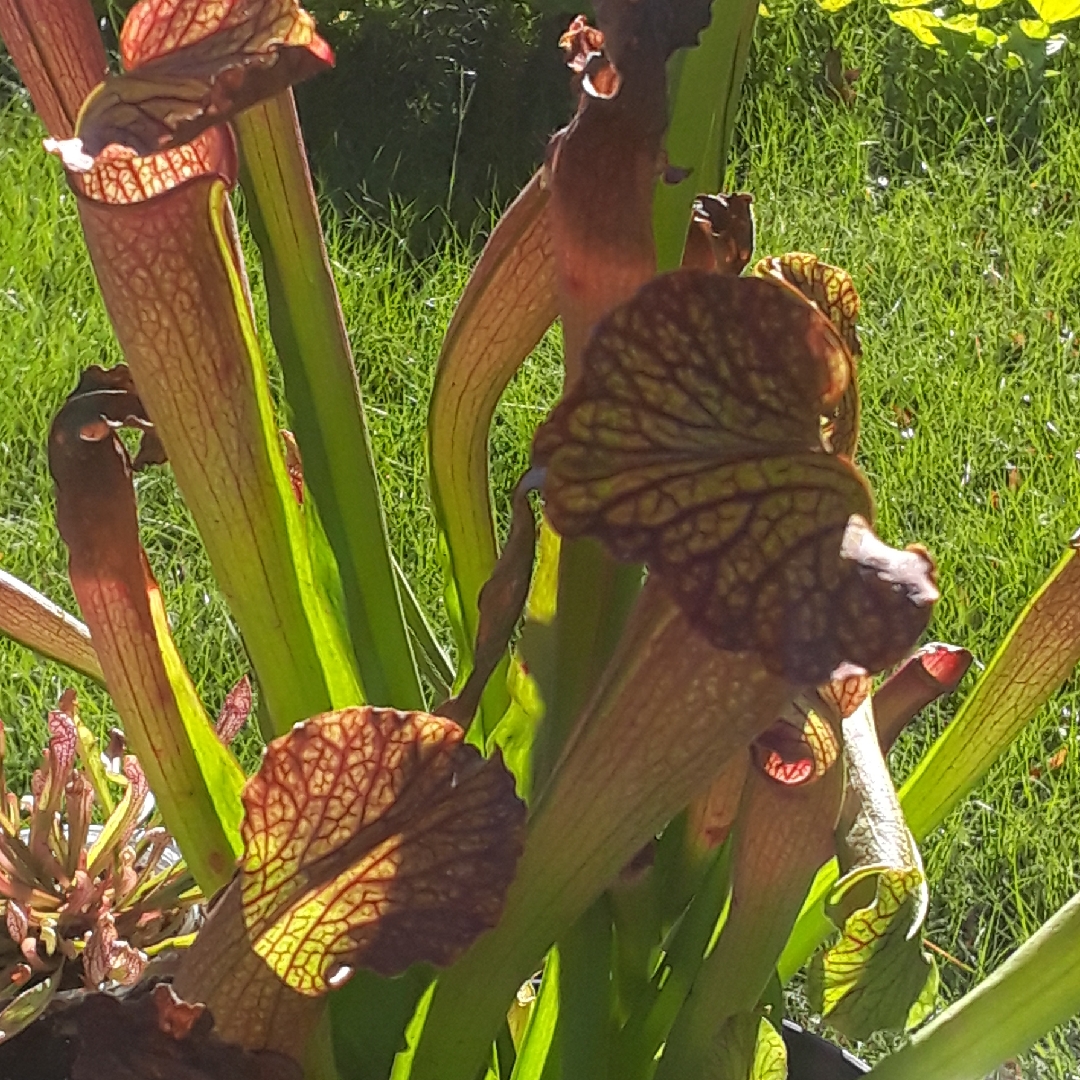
968	263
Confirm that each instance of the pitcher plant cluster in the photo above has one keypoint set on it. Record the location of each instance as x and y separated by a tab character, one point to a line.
651	787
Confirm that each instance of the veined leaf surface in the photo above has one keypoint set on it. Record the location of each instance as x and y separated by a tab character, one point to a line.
693	443
829	287
162	240
374	837
833	292
190	65
876	976
57	47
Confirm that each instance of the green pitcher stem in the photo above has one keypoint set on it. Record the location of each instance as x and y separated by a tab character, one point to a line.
309	332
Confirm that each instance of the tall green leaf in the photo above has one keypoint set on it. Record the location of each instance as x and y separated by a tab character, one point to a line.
320	382
781	834
649	1024
671	711
162	238
507	306
1039	653
707	89
1037	988
583	1040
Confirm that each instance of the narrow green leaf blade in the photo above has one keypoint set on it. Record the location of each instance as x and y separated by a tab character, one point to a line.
1037	988
309	333
28	1006
650	1024
430	655
366	1050
1040	652
536	1044
586	993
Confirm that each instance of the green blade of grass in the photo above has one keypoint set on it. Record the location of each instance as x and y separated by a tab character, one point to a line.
430	656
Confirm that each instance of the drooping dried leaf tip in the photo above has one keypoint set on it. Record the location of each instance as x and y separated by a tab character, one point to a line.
235	711
584	48
501	603
721	234
693	442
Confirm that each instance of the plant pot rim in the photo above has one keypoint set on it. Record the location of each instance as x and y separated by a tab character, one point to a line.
812	1057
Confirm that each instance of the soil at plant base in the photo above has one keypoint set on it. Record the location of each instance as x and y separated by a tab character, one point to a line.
147	1031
